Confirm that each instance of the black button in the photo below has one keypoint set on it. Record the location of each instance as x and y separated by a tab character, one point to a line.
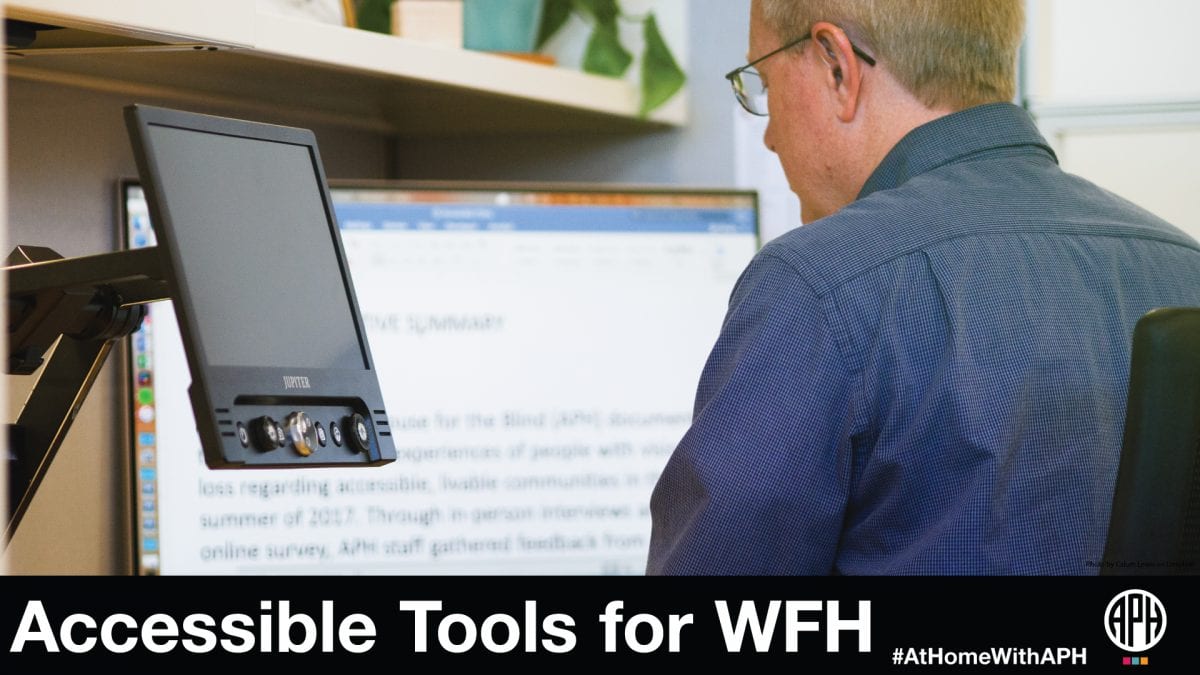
321	437
266	433
359	433
335	432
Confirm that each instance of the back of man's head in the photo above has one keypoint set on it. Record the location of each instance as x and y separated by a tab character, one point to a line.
951	54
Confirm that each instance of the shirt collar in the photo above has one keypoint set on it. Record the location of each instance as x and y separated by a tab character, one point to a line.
946	139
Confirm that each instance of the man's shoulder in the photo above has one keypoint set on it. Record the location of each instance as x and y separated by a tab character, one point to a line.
968	201
861	236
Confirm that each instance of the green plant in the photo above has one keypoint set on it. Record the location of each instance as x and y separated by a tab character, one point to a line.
661	76
373	15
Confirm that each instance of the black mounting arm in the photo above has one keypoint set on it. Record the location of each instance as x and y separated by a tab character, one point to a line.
84	304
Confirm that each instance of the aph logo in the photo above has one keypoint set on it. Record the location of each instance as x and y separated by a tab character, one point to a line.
1135	620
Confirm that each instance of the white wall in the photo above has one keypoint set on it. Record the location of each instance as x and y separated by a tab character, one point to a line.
1115	87
1113	51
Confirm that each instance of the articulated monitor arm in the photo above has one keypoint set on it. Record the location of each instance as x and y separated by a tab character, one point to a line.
85	304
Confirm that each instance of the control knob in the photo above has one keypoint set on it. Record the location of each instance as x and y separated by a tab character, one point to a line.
265	433
301	433
357	433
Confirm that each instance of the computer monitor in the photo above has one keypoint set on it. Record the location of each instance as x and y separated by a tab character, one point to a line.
538	348
281	372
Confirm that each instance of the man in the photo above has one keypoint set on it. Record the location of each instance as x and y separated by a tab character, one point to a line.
929	377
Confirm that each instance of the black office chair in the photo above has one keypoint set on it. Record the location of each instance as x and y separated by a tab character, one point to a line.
1155	523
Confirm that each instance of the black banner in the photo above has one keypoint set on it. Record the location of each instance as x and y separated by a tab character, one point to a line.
66	624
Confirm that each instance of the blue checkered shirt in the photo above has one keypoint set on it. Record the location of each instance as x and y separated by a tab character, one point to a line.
931	380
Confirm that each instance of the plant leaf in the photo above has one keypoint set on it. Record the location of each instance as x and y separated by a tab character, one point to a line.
605	12
661	75
374	15
554	14
605	55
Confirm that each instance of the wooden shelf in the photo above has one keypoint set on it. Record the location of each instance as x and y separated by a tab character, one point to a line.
224	52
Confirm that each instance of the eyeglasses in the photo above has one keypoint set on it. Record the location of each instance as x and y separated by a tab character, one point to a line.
748	85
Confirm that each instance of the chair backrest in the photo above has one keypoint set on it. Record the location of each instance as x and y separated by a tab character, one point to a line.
1155	524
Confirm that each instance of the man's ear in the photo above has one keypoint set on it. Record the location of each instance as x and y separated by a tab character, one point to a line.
843	70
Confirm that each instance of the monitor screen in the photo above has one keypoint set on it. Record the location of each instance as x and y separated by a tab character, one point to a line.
538	350
216	196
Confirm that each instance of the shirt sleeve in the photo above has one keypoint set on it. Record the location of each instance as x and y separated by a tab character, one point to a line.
759	483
